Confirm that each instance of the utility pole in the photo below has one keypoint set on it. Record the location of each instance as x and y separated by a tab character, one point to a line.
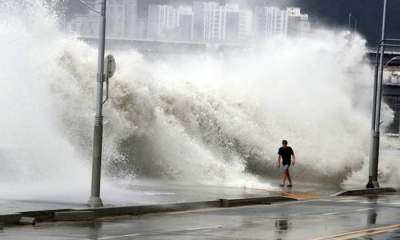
376	113
355	25
95	200
350	15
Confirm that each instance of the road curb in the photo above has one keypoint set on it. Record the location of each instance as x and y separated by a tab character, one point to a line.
75	215
365	192
88	214
176	207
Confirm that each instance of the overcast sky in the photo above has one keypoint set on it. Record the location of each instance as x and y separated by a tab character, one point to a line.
329	12
367	12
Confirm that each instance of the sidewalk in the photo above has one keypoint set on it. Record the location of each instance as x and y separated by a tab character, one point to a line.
153	192
142	193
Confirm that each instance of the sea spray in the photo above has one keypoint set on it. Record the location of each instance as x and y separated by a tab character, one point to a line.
36	157
221	118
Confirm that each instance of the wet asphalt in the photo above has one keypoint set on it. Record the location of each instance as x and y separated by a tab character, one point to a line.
310	219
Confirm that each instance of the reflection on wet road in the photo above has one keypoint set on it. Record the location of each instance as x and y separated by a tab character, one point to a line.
389	236
315	219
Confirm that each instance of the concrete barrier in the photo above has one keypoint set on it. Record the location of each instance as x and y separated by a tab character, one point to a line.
9	219
75	215
365	192
252	201
159	208
88	214
43	215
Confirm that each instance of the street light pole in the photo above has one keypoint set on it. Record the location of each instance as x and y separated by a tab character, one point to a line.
95	200
376	118
349	26
355	25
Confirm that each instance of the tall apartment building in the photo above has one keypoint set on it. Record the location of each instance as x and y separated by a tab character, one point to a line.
85	25
272	21
232	24
121	19
215	23
275	21
169	22
203	21
209	21
161	21
198	21
239	25
185	23
296	23
246	30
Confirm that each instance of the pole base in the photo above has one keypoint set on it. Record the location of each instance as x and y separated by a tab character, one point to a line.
366	192
372	183
95	202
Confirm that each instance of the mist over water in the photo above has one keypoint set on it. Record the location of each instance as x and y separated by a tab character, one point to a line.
212	119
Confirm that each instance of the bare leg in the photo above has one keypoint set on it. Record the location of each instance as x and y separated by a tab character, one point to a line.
284	179
289	178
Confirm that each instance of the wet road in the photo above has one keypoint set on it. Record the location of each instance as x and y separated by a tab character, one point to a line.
392	236
300	220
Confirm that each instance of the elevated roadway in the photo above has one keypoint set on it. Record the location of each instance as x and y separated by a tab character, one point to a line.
389	54
391	95
162	46
165	46
391	90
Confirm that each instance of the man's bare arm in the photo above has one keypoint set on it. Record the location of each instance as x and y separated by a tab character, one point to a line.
294	158
279	160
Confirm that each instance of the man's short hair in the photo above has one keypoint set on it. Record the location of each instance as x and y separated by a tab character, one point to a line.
284	142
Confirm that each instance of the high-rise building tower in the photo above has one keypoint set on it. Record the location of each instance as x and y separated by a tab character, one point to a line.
121	19
185	23
161	21
272	21
275	21
239	24
131	18
198	21
296	23
232	23
215	23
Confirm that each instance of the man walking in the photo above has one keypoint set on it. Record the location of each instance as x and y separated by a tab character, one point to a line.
285	154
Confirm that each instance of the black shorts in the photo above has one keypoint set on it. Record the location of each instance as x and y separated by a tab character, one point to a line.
286	163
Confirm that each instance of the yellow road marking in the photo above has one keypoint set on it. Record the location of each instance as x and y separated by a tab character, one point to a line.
361	233
300	196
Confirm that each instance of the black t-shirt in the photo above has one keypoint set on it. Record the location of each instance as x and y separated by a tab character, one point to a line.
286	153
